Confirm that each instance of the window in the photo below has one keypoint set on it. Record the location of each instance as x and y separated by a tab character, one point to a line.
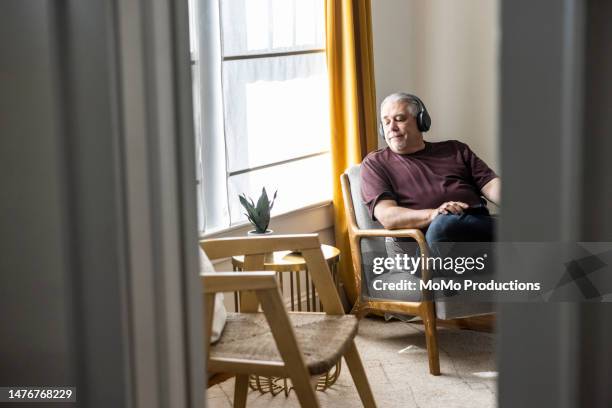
262	105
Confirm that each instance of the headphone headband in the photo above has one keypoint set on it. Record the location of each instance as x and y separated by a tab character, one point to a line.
422	117
419	102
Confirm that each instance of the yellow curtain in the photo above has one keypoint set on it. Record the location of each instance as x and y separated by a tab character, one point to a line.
350	64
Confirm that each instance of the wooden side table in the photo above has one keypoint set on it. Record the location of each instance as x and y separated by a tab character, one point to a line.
292	262
287	261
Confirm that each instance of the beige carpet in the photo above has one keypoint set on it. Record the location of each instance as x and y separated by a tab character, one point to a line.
395	359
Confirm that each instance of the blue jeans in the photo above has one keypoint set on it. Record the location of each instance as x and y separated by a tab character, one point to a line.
471	226
474	225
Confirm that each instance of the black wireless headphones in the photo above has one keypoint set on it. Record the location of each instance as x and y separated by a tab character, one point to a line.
423	119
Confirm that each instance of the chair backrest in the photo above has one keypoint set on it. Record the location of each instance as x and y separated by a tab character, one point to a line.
254	250
359	217
362	215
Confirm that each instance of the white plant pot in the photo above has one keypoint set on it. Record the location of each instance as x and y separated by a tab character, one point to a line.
255	233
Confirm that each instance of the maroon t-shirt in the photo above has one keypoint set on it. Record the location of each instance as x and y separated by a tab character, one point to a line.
442	171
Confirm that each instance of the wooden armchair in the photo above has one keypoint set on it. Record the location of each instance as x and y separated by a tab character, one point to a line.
298	346
367	237
364	304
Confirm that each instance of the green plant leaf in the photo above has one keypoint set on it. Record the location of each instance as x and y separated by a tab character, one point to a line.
273	199
258	215
251	213
244	202
263	204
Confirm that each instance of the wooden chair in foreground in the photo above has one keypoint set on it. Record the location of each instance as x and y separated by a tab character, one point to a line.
367	236
299	346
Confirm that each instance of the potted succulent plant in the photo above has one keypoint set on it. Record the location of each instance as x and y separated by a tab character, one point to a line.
258	215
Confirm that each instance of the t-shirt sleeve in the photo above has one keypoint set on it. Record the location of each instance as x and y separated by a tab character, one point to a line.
481	173
374	184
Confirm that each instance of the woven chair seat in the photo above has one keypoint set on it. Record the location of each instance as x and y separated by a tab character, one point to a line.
322	338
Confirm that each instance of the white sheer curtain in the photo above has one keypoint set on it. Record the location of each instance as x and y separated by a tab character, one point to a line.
270	104
205	32
262	26
276	107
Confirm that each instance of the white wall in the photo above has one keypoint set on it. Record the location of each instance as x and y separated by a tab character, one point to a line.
446	52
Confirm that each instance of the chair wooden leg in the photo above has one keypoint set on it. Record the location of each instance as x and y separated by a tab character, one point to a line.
240	390
353	360
302	384
431	337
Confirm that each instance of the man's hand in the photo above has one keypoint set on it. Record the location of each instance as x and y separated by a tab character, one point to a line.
451	207
392	216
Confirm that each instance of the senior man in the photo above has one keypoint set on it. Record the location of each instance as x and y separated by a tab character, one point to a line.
437	187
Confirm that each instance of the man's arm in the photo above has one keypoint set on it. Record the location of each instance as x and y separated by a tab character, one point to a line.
492	191
392	216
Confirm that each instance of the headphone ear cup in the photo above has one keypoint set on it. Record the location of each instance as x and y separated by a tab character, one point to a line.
423	121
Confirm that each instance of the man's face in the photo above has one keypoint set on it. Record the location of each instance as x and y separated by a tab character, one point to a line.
400	128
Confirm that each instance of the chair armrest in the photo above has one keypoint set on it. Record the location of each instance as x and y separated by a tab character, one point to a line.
232	281
413	233
417	234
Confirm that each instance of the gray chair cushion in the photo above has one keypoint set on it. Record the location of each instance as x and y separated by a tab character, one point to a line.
219	313
370	247
455	310
361	210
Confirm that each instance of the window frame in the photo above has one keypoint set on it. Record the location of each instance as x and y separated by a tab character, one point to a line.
213	176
